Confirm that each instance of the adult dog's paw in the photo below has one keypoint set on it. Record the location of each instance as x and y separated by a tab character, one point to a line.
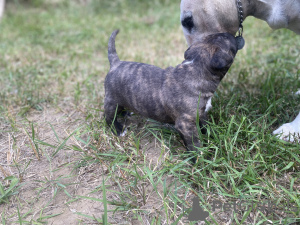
288	132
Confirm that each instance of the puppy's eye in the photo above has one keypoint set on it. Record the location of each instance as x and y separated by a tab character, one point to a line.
225	37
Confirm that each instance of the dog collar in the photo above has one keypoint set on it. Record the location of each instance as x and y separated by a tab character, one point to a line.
239	38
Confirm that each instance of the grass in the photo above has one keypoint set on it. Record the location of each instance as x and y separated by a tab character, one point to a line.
59	162
11	190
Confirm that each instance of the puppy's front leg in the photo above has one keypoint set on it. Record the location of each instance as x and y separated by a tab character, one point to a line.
186	125
203	122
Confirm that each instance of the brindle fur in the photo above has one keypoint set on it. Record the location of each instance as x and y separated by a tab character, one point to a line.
169	95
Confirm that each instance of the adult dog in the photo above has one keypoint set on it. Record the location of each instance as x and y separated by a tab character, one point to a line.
202	17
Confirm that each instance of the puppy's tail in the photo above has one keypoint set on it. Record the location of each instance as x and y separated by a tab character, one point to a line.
112	53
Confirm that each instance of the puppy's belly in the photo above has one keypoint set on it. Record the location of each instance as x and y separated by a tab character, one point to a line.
149	107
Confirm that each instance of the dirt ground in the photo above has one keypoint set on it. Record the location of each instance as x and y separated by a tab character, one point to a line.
46	179
52	189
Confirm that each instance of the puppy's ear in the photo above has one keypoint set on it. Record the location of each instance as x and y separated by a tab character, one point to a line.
191	53
221	60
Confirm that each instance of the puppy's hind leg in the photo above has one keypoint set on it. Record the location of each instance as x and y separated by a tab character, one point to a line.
111	111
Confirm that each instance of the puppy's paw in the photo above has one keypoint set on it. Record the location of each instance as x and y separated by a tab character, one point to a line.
117	128
123	133
288	132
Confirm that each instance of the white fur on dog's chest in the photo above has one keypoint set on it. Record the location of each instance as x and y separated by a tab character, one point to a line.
208	105
188	62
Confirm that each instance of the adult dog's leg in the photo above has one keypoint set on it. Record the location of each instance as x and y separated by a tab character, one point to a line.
290	131
2	5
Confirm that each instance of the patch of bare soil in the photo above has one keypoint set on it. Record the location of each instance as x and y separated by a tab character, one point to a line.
54	191
48	183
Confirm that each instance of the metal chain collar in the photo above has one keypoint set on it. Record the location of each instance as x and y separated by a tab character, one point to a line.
239	39
240	15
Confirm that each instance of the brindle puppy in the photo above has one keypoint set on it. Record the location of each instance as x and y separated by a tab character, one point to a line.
172	95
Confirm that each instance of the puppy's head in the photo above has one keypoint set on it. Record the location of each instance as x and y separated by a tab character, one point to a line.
215	52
